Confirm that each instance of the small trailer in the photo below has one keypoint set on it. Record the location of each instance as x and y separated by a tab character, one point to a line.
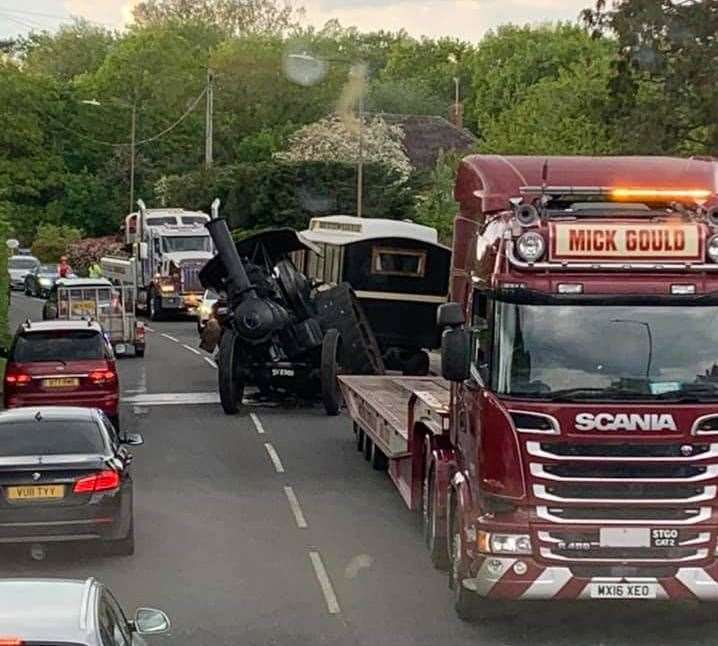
399	273
112	306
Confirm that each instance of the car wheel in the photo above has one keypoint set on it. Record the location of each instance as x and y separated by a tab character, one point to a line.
124	546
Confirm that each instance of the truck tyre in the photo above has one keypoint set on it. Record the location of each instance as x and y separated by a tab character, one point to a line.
140	352
438	546
465	601
360	440
379	461
231	380
331	393
368	447
154	305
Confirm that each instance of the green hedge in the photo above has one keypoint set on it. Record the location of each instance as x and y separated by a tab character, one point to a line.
275	193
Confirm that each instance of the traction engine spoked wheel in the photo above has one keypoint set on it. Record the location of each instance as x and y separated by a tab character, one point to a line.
231	380
331	393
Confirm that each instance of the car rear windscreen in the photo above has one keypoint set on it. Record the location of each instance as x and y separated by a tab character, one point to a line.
63	345
49	437
21	263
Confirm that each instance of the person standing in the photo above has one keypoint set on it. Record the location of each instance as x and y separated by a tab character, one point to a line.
95	270
63	268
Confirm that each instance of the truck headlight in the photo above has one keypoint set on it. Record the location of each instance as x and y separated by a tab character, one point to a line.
712	248
45	282
490	543
167	289
531	246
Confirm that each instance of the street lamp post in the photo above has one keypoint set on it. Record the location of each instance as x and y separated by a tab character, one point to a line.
308	70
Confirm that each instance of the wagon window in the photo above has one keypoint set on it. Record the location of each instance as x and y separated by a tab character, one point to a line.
398	262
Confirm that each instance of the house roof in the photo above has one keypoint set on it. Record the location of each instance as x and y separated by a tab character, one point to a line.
426	135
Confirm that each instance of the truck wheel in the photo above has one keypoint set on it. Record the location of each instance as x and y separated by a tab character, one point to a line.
417	365
465	601
360	440
140	352
154	305
368	447
438	546
231	380
379	461
331	393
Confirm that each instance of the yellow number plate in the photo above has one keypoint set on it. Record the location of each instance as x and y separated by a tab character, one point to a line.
36	492
84	308
61	382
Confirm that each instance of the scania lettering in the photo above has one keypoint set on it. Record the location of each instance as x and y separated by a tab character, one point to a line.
570	448
625	422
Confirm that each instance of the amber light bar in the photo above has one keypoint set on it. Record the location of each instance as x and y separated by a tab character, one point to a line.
660	194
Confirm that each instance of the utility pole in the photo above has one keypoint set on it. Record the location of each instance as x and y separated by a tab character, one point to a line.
209	117
133	135
360	164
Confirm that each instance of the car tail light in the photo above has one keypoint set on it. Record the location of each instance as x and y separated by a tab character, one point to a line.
140	331
11	641
102	481
102	376
17	379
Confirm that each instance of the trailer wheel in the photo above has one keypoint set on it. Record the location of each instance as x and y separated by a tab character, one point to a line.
331	394
368	447
379	461
231	380
360	440
438	546
154	305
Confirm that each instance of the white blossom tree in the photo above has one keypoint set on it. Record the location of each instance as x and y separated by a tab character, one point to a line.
336	138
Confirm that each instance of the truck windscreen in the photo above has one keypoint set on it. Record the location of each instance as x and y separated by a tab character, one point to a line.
186	243
592	352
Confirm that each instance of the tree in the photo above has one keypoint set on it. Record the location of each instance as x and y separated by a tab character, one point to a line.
75	49
406	96
337	139
512	59
667	56
557	116
52	241
234	17
436	207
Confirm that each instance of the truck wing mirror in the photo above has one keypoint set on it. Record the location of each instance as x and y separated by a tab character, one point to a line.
456	354
450	315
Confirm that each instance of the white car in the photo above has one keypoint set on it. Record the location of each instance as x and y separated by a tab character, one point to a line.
205	309
18	268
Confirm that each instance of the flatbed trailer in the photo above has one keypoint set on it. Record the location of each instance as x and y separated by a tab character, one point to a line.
392	419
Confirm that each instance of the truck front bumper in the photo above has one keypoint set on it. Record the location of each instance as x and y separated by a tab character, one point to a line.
517	578
186	302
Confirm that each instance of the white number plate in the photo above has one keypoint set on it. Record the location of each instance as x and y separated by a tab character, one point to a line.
120	348
623	591
625	537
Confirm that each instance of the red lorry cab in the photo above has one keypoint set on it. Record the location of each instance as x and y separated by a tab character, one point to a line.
62	363
571	451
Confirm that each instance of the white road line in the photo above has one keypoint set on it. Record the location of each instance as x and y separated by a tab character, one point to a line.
170	337
325	584
296	509
191	349
210	362
274	457
148	328
257	423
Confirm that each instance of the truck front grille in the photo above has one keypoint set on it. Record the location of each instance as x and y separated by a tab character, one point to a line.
190	277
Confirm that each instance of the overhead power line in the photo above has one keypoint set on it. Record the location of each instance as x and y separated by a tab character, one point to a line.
39	14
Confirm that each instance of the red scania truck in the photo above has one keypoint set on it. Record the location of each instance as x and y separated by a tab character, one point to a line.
570	450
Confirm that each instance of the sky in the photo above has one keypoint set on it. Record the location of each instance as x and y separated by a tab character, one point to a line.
465	19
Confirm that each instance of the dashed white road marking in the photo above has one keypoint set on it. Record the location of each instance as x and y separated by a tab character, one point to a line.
257	423
170	337
191	349
274	457
171	399
325	584
296	509
210	362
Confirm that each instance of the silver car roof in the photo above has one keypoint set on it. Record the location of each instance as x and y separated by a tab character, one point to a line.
57	610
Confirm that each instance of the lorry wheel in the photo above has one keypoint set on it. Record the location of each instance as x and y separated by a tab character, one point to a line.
417	365
140	352
465	601
438	546
360	440
231	381
368	448
331	393
154	305
379	461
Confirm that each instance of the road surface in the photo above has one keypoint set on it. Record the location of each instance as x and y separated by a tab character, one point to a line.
269	528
